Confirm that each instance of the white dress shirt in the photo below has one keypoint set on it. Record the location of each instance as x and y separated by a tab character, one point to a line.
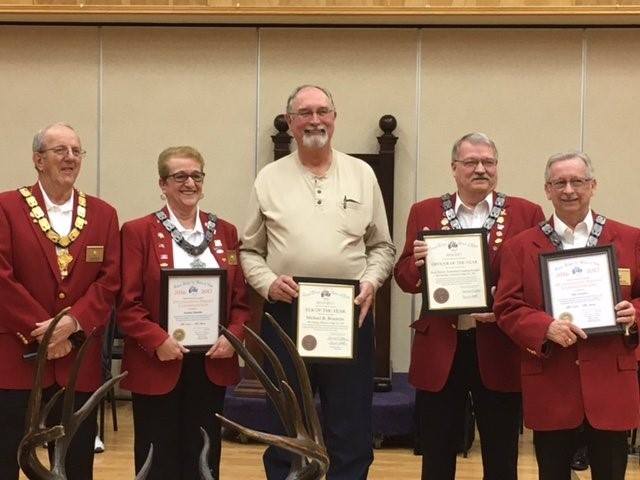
472	217
577	237
60	216
182	259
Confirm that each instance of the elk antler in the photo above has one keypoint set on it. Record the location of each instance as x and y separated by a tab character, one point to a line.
38	434
304	434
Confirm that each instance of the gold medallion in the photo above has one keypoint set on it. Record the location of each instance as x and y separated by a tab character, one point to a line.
499	233
500	220
64	260
444	221
498	240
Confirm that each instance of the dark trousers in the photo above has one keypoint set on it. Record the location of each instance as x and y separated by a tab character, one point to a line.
346	394
172	423
607	452
441	419
13	408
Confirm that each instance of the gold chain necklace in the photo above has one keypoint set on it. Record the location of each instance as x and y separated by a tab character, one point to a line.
62	241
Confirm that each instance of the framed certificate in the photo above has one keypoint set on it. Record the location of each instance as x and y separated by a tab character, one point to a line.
456	278
326	319
192	304
581	285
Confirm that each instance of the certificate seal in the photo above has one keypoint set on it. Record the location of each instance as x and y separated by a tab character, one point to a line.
566	316
309	342
441	295
178	334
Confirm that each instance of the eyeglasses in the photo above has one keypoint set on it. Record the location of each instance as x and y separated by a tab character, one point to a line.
576	183
62	151
182	177
308	114
472	163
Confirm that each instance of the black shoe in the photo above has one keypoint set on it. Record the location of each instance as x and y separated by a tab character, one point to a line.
580	460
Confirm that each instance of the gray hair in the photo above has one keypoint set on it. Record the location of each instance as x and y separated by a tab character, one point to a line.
474	138
297	90
38	138
559	157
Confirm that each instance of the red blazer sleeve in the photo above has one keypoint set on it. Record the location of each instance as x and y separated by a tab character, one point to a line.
239	313
134	319
93	309
19	311
525	324
405	272
633	339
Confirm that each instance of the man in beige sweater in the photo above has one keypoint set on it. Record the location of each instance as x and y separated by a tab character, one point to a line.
319	213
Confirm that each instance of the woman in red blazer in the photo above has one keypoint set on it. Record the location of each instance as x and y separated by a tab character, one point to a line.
175	391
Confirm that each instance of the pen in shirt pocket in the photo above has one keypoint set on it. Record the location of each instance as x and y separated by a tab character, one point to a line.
346	200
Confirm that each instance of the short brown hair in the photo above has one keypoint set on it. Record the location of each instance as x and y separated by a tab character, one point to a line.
183	151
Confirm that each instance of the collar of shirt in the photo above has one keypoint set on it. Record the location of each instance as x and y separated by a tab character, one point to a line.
309	175
191	235
65	208
577	237
473	217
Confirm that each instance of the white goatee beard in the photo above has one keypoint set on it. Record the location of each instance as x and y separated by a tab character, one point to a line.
315	140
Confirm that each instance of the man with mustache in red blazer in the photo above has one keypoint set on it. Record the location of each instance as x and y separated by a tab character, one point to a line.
571	381
454	355
58	248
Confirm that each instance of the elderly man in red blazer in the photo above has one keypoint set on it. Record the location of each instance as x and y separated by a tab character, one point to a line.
570	380
454	355
58	248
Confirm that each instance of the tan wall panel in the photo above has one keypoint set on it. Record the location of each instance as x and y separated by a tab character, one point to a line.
164	87
48	74
521	87
370	73
612	104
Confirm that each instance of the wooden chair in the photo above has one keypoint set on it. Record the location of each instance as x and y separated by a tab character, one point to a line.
382	164
112	349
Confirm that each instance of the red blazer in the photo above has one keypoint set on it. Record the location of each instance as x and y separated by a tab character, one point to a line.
145	245
33	291
594	378
435	339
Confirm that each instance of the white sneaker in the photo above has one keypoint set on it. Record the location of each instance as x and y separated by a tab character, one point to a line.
98	445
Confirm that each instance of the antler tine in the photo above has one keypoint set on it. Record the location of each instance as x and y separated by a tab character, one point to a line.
35	398
44	413
71	420
61	446
80	414
273	359
300	446
274	393
35	435
317	446
27	458
205	472
146	468
308	405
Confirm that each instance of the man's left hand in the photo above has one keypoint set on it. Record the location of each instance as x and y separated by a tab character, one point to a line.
625	313
65	327
221	349
364	299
